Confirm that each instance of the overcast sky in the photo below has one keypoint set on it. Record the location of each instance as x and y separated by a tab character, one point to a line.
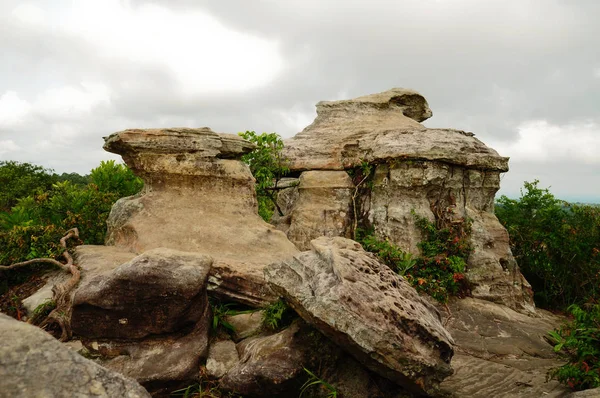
523	75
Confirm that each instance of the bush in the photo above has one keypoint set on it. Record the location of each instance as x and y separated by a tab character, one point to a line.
22	179
556	244
268	166
35	224
580	340
439	270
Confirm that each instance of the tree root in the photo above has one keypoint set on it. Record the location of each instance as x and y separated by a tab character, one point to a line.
61	315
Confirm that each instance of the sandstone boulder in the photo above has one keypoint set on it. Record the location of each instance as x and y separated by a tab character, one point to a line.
144	316
34	364
277	365
370	311
269	365
198	197
157	361
160	291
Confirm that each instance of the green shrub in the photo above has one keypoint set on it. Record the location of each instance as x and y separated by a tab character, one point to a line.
277	315
439	270
22	179
268	166
557	246
580	340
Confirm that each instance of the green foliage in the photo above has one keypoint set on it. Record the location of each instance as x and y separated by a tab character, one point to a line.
390	254
115	178
557	246
268	166
22	179
220	312
40	217
439	270
41	311
277	315
580	341
315	381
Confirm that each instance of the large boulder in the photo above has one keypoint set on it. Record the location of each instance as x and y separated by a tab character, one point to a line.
277	365
160	291
34	364
370	311
198	197
419	171
144	316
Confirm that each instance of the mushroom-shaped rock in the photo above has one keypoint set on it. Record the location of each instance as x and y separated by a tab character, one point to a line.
198	197
380	127
368	310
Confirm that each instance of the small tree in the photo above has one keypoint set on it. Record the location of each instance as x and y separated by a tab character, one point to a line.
556	244
268	166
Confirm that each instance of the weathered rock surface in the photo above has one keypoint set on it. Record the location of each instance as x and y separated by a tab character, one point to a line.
501	353
417	170
591	393
144	316
433	190
45	292
157	361
245	325
222	356
274	366
160	291
198	197
370	311
34	364
322	207
381	127
269	366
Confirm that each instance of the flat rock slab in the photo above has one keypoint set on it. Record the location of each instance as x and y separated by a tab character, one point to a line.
370	311
500	352
34	364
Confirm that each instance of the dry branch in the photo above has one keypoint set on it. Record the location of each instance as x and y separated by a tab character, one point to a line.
61	315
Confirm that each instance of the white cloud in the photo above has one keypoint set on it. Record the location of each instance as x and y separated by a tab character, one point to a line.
540	141
29	14
71	101
201	54
12	109
7	146
597	73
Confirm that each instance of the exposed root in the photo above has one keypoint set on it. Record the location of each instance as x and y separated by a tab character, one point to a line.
61	315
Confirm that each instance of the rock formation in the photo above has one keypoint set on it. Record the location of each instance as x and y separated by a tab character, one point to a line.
198	197
145	316
432	173
34	364
142	309
370	311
